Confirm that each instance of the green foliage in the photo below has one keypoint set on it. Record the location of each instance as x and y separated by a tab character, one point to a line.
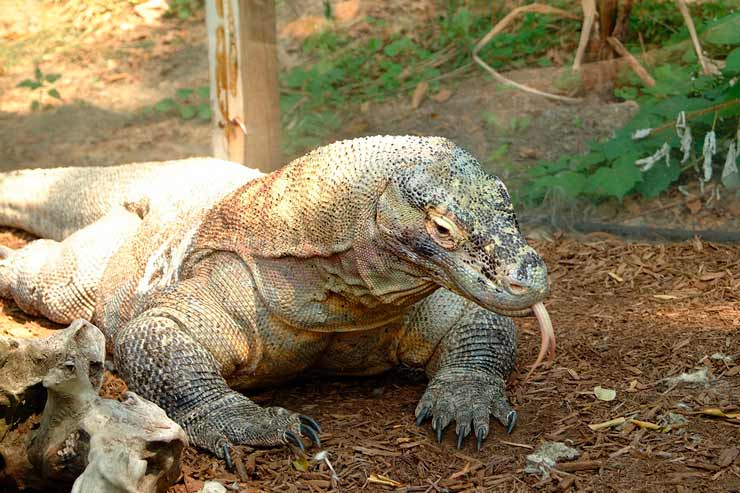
184	9
188	103
726	31
660	22
342	70
42	85
609	169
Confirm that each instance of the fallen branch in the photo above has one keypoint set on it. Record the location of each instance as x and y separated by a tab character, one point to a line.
589	14
619	48
694	37
535	7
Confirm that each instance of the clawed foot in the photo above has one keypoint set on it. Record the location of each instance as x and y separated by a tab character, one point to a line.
469	400
234	420
309	427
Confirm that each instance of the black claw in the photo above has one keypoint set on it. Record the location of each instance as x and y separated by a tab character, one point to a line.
227	457
295	440
311	434
422	416
309	421
438	428
511	422
479	438
461	435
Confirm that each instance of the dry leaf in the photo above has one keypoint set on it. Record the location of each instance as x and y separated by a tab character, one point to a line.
733	371
303	27
380	479
728	456
719	413
346	11
442	96
711	276
605	394
694	205
608	424
419	93
665	296
301	464
646	425
527	153
614	276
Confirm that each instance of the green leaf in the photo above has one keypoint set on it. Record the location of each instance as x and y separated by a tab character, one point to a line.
570	182
625	92
38	74
165	105
725	32
203	92
204	111
657	179
31	84
52	78
35	105
183	93
54	94
733	61
187	111
616	180
397	47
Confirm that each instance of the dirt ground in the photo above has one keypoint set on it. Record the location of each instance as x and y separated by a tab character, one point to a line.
629	316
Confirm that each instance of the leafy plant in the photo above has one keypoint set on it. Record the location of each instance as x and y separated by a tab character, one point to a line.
651	152
342	70
42	85
184	9
187	104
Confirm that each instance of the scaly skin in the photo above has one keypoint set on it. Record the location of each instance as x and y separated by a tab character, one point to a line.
208	278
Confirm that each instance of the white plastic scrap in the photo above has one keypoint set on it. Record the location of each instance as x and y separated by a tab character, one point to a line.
648	162
641	133
708	151
699	376
546	456
323	456
730	175
684	133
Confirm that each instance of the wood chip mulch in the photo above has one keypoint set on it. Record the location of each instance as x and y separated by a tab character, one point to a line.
628	316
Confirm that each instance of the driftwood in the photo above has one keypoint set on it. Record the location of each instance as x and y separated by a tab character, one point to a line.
55	430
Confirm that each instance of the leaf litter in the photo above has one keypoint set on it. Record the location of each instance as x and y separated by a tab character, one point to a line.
612	333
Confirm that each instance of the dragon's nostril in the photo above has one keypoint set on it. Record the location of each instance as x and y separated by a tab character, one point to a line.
517	288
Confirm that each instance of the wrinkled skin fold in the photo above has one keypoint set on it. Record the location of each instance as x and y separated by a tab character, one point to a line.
208	278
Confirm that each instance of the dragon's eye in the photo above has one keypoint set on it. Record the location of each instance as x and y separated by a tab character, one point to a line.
443	230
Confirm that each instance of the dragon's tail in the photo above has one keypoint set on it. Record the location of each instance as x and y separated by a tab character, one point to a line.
54	203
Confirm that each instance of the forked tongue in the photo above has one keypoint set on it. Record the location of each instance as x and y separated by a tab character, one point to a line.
547	344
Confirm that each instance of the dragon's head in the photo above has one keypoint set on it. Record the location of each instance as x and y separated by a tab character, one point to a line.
445	214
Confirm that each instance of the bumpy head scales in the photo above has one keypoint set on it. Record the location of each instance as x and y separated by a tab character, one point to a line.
456	220
444	213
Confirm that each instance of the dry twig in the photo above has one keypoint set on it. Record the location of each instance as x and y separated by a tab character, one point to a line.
535	7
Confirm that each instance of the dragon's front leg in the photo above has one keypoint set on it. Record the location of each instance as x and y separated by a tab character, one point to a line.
179	351
467	352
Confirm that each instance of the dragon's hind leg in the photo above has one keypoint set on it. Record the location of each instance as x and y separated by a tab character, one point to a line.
59	279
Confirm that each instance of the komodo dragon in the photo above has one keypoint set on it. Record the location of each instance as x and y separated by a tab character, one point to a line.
205	276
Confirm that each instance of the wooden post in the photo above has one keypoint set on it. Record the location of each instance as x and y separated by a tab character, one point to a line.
245	101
